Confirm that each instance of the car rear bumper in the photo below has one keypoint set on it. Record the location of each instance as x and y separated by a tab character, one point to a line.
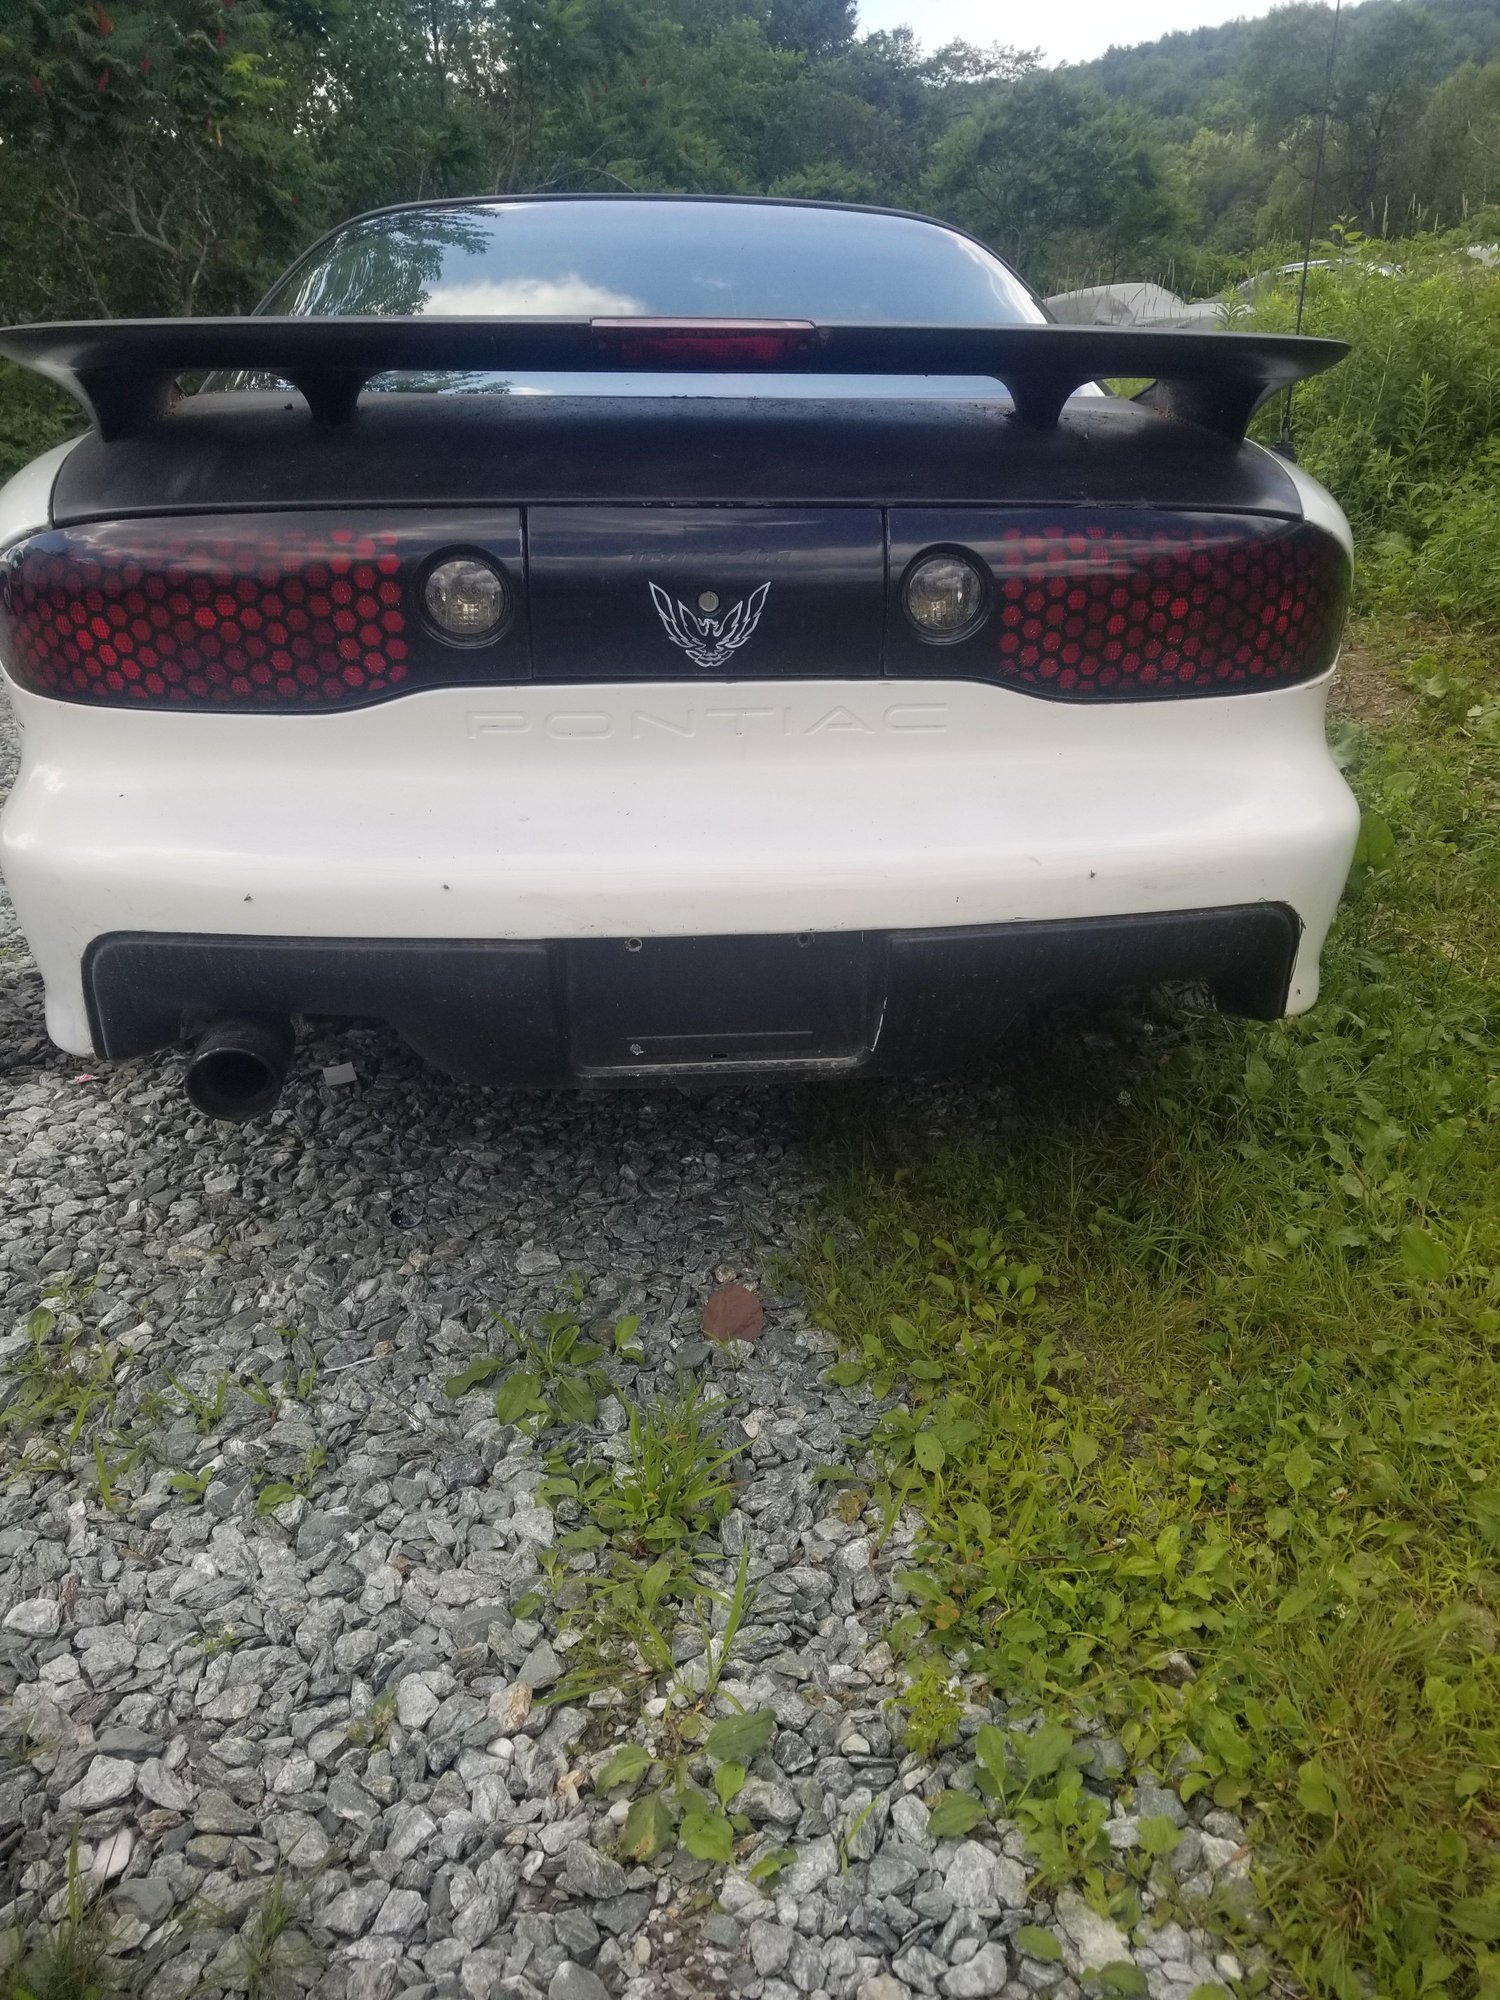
375	862
625	1010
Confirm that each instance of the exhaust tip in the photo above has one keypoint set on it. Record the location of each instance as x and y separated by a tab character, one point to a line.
238	1066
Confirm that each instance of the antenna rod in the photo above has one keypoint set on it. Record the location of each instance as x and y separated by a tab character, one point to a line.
1284	442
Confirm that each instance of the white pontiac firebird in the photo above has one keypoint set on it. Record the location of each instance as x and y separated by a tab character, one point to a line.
630	638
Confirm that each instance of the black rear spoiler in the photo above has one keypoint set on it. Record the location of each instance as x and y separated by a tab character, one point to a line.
124	372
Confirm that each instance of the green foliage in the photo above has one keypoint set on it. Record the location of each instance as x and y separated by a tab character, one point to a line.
1207	1334
1406	432
373	1727
277	1492
1038	1944
193	1484
176	155
207	1411
1411	419
549	1379
648	1828
154	158
933	1710
1064	182
1389	60
33	417
1159	1836
953	1814
648	1520
675	1810
1123	1976
627	1764
275	1956
673	1487
224	1640
741	1737
61	1391
770	1865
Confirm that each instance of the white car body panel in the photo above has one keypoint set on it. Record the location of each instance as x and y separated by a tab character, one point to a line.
26	500
539	812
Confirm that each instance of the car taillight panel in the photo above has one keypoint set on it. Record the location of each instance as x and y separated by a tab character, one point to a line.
320	610
249	611
1134	605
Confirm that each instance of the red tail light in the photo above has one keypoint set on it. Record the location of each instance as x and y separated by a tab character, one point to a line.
239	612
313	611
1163	604
703	343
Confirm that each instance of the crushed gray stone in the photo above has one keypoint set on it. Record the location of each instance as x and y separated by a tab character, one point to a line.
337	1692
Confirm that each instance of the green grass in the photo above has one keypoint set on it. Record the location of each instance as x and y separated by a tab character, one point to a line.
73	1401
61	1389
61	1957
278	1960
1197	1325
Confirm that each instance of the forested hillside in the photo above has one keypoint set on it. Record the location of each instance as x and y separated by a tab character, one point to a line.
172	155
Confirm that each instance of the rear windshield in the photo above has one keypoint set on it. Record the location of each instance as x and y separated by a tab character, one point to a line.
657	258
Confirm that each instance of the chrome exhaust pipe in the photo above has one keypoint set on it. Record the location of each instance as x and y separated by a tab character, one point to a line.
239	1064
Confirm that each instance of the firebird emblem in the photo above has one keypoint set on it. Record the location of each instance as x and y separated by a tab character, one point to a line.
710	642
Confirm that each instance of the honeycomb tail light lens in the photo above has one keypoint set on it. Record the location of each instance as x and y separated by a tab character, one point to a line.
1151	605
241	612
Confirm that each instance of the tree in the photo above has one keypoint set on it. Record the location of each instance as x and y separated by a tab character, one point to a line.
174	155
1067	185
149	165
1456	146
1384	64
811	27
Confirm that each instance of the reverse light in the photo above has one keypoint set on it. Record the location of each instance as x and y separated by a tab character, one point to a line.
466	599
943	596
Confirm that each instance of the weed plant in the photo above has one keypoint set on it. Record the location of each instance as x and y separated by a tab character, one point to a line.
60	1957
1406	430
648	1520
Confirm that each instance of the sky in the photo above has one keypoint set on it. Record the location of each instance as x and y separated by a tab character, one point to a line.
1064	30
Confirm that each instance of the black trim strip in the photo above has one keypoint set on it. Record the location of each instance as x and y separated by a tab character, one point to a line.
124	372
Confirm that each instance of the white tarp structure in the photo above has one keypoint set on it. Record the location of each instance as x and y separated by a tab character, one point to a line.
1137	302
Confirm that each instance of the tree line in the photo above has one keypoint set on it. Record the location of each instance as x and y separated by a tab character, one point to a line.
173	155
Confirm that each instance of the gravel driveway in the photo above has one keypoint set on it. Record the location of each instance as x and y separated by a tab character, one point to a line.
298	1743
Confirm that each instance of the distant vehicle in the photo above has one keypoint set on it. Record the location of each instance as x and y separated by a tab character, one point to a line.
1265	281
647	639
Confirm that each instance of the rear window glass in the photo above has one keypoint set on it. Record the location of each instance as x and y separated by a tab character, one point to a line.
659	259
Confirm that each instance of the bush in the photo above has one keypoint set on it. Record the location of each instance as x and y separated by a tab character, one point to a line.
1406	432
